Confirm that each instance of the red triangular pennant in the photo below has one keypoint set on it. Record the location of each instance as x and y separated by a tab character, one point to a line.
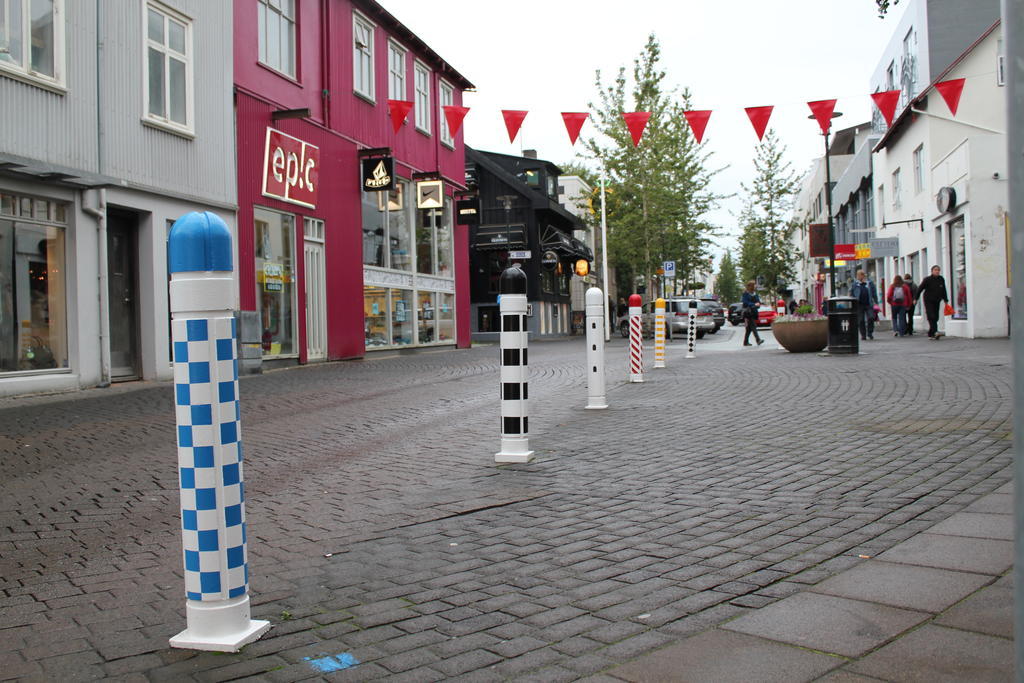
698	121
454	115
636	121
759	118
399	109
822	110
574	123
886	103
951	91
513	120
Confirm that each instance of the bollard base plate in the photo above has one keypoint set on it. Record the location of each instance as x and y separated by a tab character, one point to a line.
513	457
225	643
597	407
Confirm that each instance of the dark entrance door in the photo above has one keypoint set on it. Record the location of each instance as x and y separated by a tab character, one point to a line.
122	284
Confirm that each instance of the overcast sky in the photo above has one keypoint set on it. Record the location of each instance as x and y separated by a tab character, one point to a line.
731	54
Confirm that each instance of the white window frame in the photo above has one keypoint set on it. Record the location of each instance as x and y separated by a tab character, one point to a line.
292	23
165	122
366	90
919	169
421	101
398	84
24	72
445	97
897	187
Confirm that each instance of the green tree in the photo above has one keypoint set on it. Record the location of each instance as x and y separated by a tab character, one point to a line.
766	243
883	6
727	284
659	191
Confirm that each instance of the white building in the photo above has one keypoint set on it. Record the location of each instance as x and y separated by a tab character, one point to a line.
574	194
940	179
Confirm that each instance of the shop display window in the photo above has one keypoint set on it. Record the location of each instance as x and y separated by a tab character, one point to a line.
275	281
958	249
425	229
33	306
445	317
386	239
434	247
445	267
426	315
375	317
403	321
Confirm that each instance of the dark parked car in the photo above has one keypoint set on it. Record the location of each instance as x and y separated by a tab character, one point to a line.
736	314
717	312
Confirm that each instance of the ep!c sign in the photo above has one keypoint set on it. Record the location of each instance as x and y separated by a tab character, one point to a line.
291	169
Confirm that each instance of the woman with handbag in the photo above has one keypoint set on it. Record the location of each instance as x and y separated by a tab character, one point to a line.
932	291
751	302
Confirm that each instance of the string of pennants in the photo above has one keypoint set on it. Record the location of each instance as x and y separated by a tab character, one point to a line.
636	121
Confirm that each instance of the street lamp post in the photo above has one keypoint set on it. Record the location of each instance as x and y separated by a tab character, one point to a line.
604	266
828	207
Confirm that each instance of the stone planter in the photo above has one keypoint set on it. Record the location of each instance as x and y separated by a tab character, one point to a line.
801	336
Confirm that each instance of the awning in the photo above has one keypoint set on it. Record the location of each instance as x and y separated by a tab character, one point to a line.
494	237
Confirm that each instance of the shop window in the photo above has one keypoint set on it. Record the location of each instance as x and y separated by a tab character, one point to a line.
426	315
168	73
402	320
375	317
275	281
497	262
33	305
958	249
445	317
32	40
386	239
277	35
434	253
488	319
547	281
445	267
425	235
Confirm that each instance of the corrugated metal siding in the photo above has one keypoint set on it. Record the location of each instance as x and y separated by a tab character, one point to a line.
201	167
57	128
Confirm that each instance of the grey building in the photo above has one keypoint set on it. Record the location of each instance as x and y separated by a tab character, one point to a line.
118	119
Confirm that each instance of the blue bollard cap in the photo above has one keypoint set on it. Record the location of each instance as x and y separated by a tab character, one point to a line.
199	242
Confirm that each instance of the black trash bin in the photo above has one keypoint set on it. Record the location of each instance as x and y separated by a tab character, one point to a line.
843	336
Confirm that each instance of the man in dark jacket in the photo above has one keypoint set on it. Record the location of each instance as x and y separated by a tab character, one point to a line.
909	282
932	291
865	292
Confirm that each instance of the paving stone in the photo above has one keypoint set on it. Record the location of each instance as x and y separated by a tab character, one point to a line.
827	624
977	525
718	656
988	611
934	653
982	555
917	588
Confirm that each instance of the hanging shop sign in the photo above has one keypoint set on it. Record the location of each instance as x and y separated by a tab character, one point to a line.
378	174
291	169
818	239
846	252
882	247
467	210
429	194
863	250
549	260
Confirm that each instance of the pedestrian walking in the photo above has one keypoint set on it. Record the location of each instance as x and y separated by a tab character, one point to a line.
866	293
932	291
792	306
900	300
751	302
908	280
623	308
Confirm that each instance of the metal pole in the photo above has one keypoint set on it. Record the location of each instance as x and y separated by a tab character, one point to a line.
831	227
604	267
1013	25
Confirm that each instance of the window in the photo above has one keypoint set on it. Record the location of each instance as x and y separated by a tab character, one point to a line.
396	72
277	35
919	169
434	253
896	203
881	205
447	97
869	208
33	306
890	76
958	249
32	39
275	282
386	240
362	56
422	101
1000	64
168	81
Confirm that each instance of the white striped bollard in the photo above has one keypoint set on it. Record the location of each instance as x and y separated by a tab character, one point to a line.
636	339
659	333
209	438
691	328
515	442
595	350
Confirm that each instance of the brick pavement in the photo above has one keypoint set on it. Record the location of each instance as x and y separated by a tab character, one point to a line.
381	530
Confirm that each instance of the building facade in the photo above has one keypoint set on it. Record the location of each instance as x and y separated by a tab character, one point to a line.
522	222
575	195
111	131
330	265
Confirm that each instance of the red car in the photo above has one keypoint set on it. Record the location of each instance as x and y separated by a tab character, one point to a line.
765	316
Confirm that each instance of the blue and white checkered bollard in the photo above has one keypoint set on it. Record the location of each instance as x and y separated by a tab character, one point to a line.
209	438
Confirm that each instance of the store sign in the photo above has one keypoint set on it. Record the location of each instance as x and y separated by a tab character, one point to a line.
429	194
273	277
863	250
817	239
378	174
467	211
549	260
291	169
846	252
519	255
882	247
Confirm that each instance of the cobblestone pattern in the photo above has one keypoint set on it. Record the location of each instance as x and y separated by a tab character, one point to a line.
380	527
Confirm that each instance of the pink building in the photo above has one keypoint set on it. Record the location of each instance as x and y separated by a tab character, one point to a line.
327	268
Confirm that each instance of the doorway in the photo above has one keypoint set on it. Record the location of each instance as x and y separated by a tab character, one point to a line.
123	288
316	290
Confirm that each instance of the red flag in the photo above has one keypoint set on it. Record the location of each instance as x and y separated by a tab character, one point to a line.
636	122
822	110
698	121
886	103
399	109
513	120
454	115
759	118
574	123
951	91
